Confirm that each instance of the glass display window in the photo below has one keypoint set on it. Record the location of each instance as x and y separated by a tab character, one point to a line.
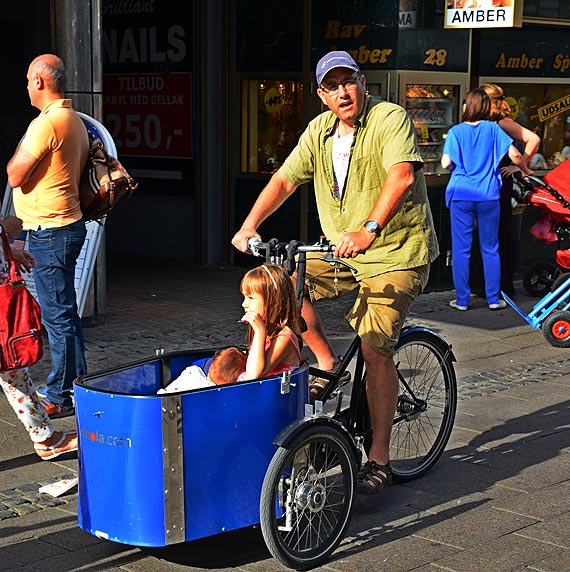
433	109
271	122
544	109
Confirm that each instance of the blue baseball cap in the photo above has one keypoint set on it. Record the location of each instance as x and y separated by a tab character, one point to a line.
333	60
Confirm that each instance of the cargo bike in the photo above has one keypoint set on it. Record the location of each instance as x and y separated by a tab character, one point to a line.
157	469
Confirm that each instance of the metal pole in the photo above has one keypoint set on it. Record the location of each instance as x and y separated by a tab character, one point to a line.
76	38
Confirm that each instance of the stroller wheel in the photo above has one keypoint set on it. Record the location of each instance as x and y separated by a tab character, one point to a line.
556	329
559	281
538	278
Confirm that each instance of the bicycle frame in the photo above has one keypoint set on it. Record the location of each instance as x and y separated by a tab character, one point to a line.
408	407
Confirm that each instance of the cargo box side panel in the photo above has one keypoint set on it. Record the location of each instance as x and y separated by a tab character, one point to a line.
121	486
228	437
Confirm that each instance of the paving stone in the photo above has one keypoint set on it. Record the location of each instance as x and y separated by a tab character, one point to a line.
499	555
45	502
559	562
555	530
375	552
483	522
27	508
543	504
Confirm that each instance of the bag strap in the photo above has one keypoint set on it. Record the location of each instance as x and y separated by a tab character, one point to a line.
14	274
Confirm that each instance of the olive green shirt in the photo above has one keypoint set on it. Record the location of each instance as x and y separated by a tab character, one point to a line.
383	136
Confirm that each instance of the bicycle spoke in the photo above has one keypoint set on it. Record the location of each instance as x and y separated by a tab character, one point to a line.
426	406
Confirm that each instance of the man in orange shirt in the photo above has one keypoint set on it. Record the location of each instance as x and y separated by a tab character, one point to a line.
44	173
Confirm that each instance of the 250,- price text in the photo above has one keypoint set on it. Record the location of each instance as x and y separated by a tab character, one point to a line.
133	131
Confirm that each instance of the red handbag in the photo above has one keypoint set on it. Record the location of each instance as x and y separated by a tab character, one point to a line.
21	341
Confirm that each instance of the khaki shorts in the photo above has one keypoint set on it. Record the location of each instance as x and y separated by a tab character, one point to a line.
382	303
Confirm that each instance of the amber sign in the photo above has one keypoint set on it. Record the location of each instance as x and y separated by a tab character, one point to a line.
483	13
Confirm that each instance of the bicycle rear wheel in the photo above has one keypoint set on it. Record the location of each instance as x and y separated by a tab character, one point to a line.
307	496
427	401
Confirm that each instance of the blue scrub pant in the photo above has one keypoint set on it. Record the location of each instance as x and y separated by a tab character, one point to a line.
463	216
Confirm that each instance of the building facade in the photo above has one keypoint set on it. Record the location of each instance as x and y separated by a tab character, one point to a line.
203	108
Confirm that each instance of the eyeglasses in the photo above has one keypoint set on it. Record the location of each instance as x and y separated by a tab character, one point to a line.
332	88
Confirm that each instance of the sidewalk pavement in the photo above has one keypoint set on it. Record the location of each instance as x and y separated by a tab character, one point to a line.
497	500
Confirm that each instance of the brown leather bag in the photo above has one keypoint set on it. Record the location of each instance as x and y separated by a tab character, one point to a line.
104	183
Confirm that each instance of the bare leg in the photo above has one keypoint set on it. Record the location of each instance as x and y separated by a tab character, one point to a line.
315	336
382	394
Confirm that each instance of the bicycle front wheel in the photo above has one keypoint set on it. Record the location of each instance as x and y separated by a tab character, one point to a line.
427	401
307	496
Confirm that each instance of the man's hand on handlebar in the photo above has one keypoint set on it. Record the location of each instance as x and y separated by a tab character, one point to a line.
351	244
241	238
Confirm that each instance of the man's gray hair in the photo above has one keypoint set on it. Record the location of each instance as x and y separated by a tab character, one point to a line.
54	73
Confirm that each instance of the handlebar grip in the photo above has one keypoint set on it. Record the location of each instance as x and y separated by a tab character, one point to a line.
253	244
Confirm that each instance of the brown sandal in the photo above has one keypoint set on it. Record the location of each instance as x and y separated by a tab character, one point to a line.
372	477
318	384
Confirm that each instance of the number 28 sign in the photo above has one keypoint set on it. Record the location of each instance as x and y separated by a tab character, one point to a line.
149	115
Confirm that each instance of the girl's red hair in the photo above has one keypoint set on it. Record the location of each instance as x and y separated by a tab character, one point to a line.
274	285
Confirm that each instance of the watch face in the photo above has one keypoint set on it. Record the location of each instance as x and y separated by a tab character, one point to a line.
371	226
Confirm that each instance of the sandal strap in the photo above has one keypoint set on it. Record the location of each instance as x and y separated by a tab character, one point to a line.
55	445
373	476
318	384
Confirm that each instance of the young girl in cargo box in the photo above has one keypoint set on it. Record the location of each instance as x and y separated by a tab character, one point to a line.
274	322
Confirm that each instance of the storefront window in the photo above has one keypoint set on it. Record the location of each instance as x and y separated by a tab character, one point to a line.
272	121
547	8
544	110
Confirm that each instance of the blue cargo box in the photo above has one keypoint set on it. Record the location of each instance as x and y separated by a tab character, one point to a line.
160	469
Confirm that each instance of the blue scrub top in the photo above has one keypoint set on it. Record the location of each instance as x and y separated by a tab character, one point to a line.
476	150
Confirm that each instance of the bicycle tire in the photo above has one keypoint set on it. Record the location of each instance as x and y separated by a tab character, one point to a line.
307	497
425	363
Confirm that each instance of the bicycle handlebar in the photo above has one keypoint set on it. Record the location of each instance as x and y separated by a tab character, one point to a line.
280	252
275	251
259	248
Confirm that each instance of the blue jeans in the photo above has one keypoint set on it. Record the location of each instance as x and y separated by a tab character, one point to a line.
56	251
463	215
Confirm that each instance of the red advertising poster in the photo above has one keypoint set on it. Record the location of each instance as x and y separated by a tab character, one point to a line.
149	114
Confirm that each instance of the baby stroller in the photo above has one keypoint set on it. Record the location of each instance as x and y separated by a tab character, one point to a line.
552	313
552	195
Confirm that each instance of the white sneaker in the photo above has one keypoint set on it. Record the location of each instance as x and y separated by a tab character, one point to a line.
502	304
455	305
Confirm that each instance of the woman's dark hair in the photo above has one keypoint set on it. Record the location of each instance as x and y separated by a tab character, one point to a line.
477	105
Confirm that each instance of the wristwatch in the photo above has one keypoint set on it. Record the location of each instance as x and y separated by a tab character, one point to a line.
373	227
